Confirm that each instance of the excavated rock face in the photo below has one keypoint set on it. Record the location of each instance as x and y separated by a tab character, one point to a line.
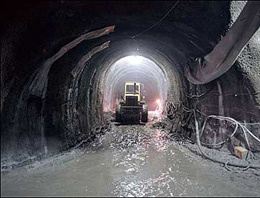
249	57
72	106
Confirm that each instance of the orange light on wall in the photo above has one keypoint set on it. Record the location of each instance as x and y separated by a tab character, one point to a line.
159	106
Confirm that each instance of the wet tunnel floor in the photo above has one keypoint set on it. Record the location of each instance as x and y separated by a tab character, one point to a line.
130	160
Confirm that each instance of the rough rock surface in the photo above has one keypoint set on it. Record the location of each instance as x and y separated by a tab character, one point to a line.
249	58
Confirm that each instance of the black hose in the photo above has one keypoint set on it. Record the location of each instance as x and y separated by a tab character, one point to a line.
246	166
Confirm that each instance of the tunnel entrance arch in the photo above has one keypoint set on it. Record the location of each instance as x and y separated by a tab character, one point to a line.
139	69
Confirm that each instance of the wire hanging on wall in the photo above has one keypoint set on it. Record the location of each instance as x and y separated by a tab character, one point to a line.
157	21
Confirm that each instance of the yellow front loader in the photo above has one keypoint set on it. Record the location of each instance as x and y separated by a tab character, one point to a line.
132	107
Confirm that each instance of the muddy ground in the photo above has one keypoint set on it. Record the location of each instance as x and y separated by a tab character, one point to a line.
133	160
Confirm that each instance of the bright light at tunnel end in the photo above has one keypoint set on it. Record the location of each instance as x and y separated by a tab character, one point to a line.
135	60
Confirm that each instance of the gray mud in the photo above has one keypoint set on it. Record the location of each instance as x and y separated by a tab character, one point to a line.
131	160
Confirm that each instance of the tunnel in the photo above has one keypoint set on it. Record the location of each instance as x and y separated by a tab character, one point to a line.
139	69
64	65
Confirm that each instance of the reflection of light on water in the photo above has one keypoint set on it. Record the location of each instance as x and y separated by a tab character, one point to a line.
158	134
156	186
158	139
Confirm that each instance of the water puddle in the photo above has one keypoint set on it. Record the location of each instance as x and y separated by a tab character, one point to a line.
131	160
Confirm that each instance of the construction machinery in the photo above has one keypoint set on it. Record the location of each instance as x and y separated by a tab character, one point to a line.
131	107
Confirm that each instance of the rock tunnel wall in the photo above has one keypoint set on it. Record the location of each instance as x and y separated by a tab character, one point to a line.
33	126
249	57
